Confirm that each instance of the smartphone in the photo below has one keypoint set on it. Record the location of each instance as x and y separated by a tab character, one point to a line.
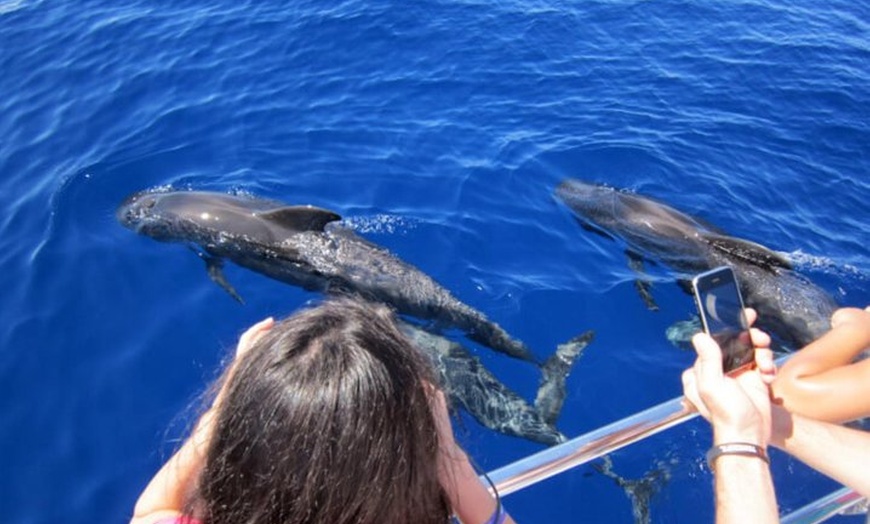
720	306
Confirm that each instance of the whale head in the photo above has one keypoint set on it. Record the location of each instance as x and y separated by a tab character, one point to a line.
618	210
645	225
593	203
209	218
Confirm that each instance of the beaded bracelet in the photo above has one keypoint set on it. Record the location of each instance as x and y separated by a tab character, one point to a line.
736	448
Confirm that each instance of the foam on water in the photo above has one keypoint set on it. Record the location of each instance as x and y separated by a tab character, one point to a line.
380	224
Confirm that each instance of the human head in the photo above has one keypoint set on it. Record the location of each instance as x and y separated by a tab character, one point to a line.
326	419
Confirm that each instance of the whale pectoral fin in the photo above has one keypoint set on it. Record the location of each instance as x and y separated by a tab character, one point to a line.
747	251
300	218
214	267
339	287
643	286
587	226
644	289
680	333
554	374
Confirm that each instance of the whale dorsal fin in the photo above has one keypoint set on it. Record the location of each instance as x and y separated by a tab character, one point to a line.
748	251
300	218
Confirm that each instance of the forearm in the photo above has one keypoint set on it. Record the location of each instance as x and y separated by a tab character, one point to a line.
837	451
743	484
470	498
744	491
823	381
167	491
836	395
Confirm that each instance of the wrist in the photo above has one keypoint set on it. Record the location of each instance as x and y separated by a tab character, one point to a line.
469	496
745	450
726	434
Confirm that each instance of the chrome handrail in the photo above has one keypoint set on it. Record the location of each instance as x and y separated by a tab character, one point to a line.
592	445
823	508
631	429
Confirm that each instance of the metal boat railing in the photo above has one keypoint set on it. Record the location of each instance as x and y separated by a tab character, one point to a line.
824	508
592	445
607	439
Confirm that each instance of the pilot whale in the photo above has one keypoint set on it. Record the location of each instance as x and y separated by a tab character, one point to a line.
790	307
305	246
476	390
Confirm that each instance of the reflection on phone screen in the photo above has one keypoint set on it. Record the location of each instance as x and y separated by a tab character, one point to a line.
727	326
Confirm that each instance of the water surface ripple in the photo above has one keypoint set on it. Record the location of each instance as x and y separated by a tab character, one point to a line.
439	130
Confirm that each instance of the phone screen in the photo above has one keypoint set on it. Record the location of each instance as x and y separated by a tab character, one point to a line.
721	308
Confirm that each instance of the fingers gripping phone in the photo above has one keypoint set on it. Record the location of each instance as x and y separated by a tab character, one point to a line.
720	306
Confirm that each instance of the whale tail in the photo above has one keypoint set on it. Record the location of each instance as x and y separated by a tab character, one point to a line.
473	387
640	491
554	373
484	331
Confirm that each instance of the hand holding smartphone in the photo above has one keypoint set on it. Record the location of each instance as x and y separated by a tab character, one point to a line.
720	306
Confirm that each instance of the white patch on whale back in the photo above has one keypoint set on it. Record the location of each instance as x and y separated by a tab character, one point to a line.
379	224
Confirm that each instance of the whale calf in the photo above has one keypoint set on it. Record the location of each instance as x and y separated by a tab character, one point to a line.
789	306
307	247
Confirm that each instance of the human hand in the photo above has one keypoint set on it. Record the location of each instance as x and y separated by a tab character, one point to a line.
764	362
252	335
246	342
738	405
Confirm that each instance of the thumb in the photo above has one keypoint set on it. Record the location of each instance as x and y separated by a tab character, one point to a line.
708	366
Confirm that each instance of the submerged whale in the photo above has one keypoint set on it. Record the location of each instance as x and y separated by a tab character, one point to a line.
249	232
640	491
472	387
307	247
790	307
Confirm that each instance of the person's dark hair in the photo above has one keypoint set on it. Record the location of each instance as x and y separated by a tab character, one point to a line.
326	419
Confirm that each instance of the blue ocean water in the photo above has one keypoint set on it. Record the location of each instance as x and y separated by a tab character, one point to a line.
438	130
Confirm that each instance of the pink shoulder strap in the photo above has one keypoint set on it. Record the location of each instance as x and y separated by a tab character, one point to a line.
182	519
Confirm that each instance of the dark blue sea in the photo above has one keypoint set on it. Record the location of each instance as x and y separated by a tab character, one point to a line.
437	129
